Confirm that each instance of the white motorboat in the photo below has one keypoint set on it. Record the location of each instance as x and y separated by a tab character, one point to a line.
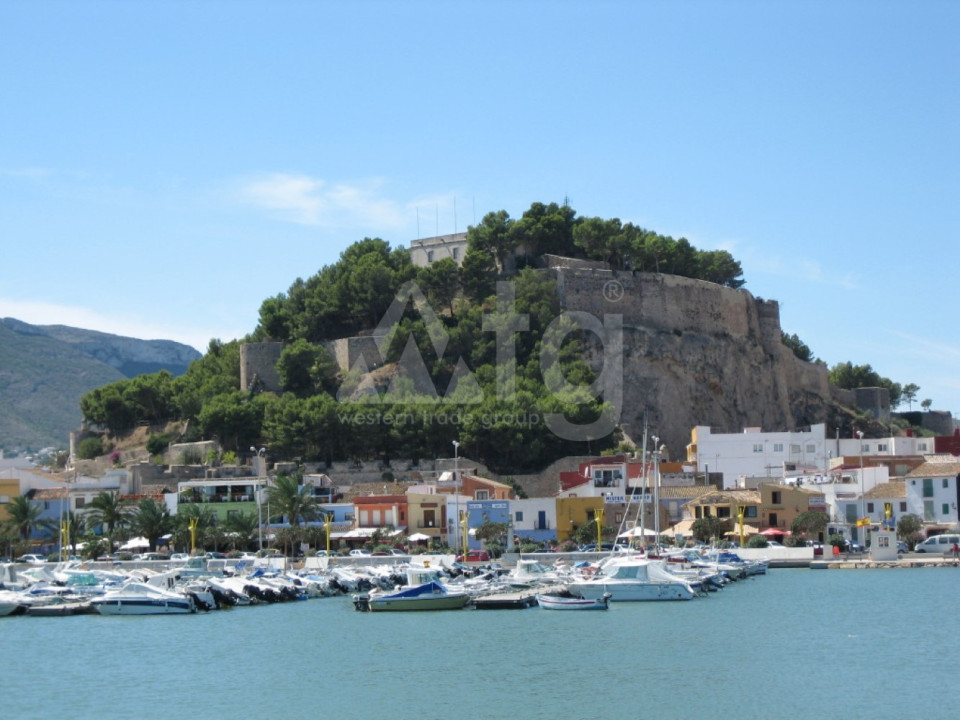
632	579
136	598
563	602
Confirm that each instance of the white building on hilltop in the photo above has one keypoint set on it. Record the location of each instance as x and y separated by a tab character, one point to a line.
428	250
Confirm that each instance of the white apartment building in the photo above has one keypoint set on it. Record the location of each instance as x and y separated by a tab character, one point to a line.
758	454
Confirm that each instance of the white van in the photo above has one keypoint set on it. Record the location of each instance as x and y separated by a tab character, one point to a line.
938	544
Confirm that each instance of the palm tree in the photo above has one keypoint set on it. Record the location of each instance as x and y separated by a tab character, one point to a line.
24	516
76	527
107	508
241	526
152	520
292	500
205	522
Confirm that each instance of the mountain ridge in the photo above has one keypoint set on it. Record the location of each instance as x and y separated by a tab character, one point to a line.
46	369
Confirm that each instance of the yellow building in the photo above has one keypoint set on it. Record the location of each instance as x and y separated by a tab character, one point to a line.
572	512
9	488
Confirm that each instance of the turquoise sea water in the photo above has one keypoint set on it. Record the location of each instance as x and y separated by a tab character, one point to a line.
792	644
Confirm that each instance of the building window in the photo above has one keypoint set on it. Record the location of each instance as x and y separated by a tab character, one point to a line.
945	509
483	494
518	516
928	487
928	511
869	507
946	482
903	506
80	502
776	498
758	447
795	449
811	448
778	447
750	511
881	447
456	253
723	511
922	447
429	256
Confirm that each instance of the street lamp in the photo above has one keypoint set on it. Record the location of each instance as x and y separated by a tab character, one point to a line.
656	488
456	480
259	455
863	511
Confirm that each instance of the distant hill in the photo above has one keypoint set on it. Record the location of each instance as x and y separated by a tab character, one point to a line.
45	369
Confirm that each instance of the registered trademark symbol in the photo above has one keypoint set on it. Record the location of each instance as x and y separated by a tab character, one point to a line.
613	291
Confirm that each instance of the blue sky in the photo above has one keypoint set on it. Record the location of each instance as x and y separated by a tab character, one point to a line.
165	166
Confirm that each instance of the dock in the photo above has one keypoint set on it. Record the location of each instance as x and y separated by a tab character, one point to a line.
513	600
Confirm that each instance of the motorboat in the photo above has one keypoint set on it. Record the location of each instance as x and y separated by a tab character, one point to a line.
137	598
12	603
630	579
424	591
564	602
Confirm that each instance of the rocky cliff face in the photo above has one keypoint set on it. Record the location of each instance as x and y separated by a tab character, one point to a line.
696	353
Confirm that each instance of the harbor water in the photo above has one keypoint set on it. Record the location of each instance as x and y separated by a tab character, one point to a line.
793	644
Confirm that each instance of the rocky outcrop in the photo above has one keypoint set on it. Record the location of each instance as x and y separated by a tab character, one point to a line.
697	353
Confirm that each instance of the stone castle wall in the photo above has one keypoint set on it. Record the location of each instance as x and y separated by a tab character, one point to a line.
259	361
347	351
698	353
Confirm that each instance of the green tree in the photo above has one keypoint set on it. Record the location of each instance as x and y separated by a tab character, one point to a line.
908	394
850	377
295	502
240	529
204	520
23	516
108	510
90	448
797	346
704	529
494	236
440	281
809	523
909	527
151	520
478	274
491	532
306	368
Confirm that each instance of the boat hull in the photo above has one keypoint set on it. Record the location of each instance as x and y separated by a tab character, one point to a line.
143	606
446	602
634	592
553	602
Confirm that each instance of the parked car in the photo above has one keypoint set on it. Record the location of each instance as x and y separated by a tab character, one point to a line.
214	556
179	557
150	556
854	547
902	547
939	544
32	559
357	552
475	556
401	553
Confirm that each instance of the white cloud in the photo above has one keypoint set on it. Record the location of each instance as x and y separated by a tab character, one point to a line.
307	200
